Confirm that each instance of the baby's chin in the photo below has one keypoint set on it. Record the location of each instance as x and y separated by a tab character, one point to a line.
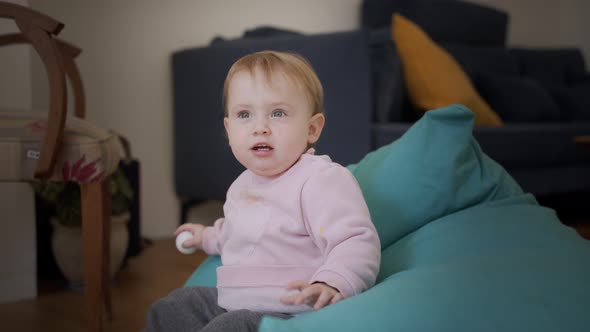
269	173
273	169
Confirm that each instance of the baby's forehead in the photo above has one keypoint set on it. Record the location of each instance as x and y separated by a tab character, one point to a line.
268	75
277	80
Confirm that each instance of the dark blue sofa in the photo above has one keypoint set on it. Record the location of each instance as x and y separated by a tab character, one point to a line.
543	95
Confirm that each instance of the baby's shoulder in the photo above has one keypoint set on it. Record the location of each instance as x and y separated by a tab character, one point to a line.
241	181
322	165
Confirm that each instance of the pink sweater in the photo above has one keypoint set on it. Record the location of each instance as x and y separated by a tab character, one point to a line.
310	223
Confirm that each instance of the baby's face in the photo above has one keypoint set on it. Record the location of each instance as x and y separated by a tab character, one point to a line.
269	123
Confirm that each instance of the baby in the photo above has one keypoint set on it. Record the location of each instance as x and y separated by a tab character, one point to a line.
297	235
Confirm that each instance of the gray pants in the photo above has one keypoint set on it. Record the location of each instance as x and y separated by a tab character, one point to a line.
196	309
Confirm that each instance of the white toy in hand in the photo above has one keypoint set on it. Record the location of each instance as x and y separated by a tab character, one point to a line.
180	240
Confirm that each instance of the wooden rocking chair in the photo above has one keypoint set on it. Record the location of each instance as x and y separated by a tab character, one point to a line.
52	146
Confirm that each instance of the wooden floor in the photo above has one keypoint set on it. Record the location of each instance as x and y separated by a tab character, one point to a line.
159	269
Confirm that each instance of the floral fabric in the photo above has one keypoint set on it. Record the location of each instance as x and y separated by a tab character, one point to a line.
87	154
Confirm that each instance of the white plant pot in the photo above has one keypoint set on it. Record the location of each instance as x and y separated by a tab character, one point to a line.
66	244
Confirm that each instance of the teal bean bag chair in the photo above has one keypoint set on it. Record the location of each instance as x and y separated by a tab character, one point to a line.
463	247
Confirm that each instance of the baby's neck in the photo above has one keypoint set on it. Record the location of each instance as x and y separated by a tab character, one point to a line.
262	179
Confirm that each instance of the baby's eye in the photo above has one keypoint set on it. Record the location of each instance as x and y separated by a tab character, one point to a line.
243	115
277	114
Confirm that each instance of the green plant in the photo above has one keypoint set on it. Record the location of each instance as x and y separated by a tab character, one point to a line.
64	198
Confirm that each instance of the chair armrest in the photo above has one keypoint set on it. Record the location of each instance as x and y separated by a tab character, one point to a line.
33	17
69	52
38	30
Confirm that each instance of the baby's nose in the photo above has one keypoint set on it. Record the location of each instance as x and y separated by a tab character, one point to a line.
262	128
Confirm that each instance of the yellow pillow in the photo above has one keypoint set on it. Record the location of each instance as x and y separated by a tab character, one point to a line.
433	77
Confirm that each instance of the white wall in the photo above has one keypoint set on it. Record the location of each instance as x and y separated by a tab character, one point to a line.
18	279
126	68
547	23
15	80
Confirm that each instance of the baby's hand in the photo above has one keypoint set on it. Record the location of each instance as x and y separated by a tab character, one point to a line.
196	230
317	294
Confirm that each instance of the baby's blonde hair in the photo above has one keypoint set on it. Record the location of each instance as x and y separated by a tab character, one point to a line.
293	65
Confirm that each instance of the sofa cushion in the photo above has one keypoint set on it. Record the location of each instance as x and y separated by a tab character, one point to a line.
551	66
546	148
477	59
574	101
530	146
569	183
516	98
437	167
433	78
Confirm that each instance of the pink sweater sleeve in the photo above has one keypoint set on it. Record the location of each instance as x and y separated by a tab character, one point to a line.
337	217
213	237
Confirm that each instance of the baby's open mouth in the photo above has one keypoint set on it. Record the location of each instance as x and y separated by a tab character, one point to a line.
262	147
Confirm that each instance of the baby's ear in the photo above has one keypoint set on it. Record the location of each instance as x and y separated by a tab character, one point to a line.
316	124
225	125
